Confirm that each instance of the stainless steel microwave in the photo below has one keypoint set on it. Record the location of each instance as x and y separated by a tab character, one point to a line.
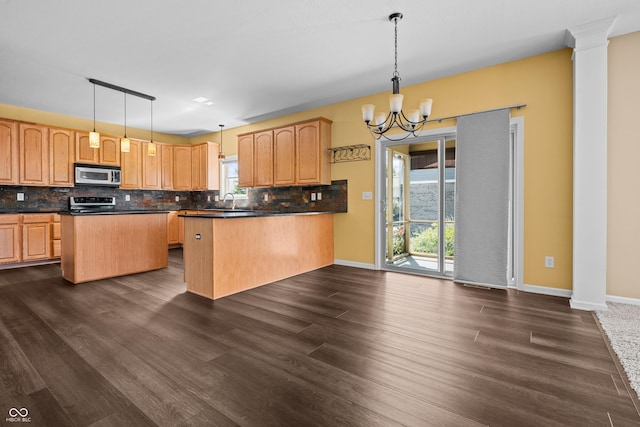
97	175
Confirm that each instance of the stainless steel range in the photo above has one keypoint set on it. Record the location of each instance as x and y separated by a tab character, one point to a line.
91	204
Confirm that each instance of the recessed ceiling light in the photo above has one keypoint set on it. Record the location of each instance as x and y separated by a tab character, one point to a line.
209	103
200	99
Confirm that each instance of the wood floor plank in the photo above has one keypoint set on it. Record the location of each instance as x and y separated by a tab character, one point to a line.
334	346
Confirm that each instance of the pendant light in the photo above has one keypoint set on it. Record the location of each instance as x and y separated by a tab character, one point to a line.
94	137
220	153
151	148
125	143
412	122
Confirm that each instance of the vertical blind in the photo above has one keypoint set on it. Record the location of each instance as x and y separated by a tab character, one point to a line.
482	198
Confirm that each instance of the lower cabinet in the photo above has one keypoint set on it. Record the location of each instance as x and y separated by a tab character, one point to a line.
173	228
29	237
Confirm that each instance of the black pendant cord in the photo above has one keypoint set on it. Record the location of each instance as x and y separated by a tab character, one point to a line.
94	107
125	115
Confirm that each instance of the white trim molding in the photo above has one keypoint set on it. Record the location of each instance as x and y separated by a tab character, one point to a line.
544	290
623	300
355	264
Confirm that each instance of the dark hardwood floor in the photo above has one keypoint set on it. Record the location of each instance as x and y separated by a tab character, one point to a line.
336	346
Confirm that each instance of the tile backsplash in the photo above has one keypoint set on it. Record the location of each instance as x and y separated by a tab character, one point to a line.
333	198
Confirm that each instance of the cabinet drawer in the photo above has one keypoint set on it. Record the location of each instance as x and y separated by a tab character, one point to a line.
35	218
9	219
55	217
55	230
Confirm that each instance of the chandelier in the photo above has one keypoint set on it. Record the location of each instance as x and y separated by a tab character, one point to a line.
413	121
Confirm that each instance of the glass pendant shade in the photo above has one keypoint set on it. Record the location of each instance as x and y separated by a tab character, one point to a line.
367	112
425	107
380	119
94	139
151	149
125	145
395	102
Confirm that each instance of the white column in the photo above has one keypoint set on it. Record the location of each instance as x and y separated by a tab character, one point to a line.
590	43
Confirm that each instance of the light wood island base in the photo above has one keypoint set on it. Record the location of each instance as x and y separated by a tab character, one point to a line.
223	256
100	246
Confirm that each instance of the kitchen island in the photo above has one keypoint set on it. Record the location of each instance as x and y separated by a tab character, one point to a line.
98	246
229	252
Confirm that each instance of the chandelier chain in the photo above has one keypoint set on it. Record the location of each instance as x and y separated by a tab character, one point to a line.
395	72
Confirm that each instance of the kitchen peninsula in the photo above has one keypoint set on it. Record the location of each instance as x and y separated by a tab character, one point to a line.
98	246
229	252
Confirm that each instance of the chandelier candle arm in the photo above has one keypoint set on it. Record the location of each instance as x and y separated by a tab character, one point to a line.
411	122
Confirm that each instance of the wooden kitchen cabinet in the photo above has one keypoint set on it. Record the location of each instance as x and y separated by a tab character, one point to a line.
84	153
10	238
151	167
173	228
166	166
34	154
205	168
313	159
61	156
297	154
263	159
56	235
108	154
36	237
110	150
182	167
9	152
284	156
245	161
131	166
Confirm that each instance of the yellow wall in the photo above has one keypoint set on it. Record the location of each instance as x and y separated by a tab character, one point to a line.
52	119
543	82
623	203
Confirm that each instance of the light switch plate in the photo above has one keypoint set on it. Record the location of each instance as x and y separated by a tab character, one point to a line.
127	197
266	197
177	198
367	195
318	196
313	197
20	197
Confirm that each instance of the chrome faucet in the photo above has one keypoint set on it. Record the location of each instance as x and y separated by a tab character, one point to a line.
233	200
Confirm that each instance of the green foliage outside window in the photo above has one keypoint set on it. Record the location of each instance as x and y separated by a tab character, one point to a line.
426	241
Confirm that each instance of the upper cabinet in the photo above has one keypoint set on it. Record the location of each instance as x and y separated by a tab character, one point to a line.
8	152
166	166
182	167
34	154
297	154
151	173
284	156
131	164
61	156
205	168
108	153
313	159
245	161
263	159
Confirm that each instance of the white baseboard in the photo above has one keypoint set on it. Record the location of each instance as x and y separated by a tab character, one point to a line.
354	264
535	289
623	300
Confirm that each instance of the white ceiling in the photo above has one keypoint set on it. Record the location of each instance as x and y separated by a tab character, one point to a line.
257	59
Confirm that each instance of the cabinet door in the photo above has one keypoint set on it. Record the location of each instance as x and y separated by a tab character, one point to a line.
8	152
110	151
195	169
150	168
61	155
131	166
10	239
181	167
166	160
312	153
84	153
245	161
173	228
263	159
34	154
35	241
284	156
210	165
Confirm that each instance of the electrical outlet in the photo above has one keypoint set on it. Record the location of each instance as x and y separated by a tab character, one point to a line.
549	262
208	198
20	197
127	197
318	196
216	198
177	198
313	197
266	197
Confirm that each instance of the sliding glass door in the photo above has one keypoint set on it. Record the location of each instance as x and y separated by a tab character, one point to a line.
419	203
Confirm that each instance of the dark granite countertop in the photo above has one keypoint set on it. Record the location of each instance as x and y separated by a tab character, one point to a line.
116	212
247	214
